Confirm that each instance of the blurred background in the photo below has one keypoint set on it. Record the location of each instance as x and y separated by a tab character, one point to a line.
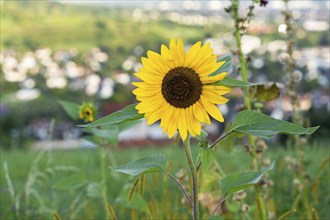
87	51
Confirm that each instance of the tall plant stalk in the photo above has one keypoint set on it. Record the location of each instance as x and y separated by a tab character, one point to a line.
103	178
195	207
247	100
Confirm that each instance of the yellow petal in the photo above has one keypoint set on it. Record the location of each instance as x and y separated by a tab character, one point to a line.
146	92
207	70
151	66
214	97
192	54
200	113
212	109
144	85
148	77
180	52
204	53
166	118
158	61
150	105
149	98
220	90
173	124
194	126
156	115
213	79
182	123
177	52
189	118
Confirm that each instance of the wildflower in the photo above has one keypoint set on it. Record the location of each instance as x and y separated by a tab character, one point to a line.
177	88
87	112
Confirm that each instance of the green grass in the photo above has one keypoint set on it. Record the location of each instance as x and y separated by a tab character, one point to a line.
162	195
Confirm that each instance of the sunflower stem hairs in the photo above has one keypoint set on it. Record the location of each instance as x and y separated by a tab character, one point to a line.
177	88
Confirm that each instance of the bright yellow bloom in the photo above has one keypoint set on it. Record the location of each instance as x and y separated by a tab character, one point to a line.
87	112
177	90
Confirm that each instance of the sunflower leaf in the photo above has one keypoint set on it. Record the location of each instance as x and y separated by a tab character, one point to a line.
129	113
225	67
149	164
230	82
258	124
109	133
237	181
72	109
207	158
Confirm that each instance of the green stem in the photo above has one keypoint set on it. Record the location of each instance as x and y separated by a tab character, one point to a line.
103	177
181	187
195	208
241	56
260	201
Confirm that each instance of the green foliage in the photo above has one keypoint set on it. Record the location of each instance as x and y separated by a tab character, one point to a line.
149	164
137	202
72	109
258	124
157	192
72	181
238	181
207	157
95	189
215	217
227	81
225	67
287	214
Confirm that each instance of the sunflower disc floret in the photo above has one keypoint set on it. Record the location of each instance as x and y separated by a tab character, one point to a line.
176	88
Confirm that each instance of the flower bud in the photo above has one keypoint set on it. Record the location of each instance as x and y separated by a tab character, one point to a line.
239	196
245	208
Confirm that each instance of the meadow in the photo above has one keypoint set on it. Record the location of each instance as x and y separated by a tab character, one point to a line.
82	43
65	182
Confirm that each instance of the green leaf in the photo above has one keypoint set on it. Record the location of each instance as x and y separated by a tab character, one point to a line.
149	164
129	113
230	82
71	181
202	139
94	190
215	217
258	124
225	67
207	158
110	133
202	136
72	109
238	181
128	124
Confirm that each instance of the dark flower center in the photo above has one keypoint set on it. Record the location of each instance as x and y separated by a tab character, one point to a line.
87	112
181	87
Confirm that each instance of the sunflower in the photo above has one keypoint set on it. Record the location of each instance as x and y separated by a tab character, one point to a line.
176	88
87	112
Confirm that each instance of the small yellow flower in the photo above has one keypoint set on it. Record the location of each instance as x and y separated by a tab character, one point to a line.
177	90
87	112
